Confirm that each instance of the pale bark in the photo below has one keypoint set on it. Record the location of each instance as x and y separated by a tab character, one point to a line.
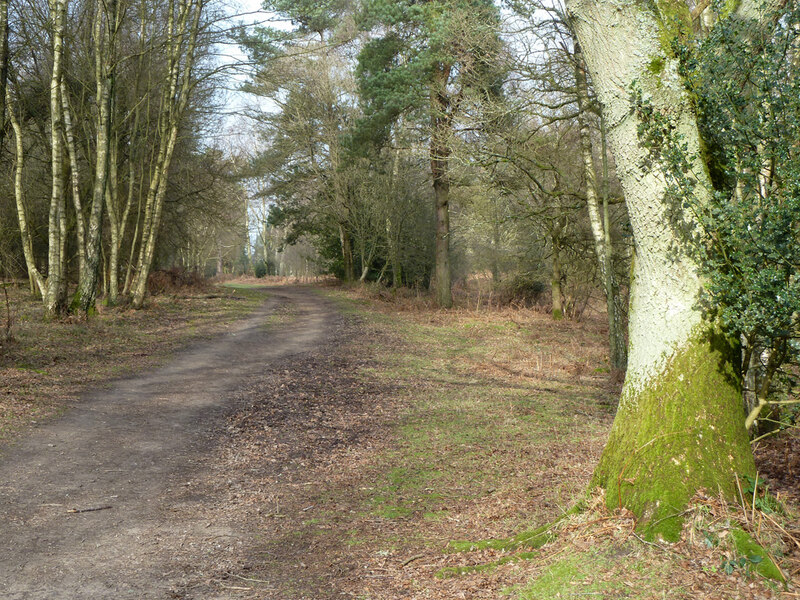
126	287
182	40
666	275
4	60
56	289
680	424
75	179
131	156
116	224
599	223
19	195
104	39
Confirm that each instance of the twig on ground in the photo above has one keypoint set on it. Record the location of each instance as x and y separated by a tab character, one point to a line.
408	561
90	509
253	579
662	548
778	525
234	587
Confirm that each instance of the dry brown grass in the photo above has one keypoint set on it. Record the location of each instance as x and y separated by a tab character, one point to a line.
506	415
49	363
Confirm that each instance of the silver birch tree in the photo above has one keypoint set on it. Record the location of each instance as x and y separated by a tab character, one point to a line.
183	28
601	228
56	288
106	23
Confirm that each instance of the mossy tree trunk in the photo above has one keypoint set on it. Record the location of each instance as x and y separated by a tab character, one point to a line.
680	424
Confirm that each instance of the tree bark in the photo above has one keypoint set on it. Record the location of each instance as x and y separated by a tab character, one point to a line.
104	39
495	244
440	155
132	153
555	282
105	27
19	194
56	290
680	424
116	224
618	356
75	179
182	30
3	65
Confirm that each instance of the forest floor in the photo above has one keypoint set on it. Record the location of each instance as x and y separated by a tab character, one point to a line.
346	466
46	365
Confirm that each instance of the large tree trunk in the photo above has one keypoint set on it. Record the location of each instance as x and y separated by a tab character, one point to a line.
441	190
618	357
680	424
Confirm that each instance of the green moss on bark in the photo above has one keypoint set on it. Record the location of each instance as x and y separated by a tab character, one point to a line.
675	20
681	432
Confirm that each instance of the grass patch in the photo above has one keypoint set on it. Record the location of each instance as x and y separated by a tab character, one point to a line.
599	571
497	431
502	417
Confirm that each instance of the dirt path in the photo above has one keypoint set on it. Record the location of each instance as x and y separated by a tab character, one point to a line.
132	452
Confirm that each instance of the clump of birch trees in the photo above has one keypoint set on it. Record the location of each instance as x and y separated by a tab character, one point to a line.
101	99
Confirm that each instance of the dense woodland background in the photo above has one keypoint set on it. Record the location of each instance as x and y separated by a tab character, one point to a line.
333	174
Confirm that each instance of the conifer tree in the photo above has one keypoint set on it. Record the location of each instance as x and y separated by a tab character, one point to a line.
426	62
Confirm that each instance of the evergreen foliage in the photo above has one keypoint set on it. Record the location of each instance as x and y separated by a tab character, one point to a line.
413	43
745	85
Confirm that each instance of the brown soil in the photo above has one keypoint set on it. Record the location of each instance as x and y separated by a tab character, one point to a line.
104	502
778	462
49	364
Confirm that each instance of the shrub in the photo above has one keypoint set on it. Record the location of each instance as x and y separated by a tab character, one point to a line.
524	289
172	280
